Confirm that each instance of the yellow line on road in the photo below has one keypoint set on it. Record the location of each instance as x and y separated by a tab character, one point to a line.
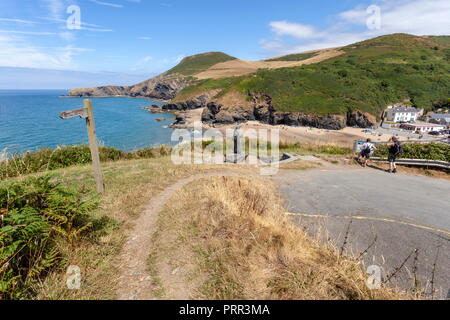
370	218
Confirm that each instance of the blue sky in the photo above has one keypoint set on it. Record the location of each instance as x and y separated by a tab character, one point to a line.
135	39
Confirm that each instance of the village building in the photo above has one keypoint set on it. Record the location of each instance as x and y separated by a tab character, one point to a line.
423	127
401	113
440	118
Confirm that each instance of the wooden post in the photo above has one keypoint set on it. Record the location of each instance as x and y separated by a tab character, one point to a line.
93	145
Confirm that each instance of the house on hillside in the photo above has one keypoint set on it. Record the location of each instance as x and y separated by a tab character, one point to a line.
403	113
440	118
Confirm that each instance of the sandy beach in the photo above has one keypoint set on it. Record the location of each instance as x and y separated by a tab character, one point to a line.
344	137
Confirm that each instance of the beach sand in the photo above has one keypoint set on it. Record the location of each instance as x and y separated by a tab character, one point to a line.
345	137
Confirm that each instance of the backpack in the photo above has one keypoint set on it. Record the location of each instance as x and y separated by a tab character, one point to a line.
399	148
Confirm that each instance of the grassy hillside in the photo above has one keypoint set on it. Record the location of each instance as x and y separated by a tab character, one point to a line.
442	39
368	76
294	57
198	63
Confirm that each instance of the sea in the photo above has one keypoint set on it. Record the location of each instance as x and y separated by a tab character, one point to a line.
29	120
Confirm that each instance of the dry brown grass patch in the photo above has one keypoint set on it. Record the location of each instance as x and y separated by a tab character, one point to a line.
245	248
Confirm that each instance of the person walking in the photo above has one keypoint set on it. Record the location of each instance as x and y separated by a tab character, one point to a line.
367	150
395	148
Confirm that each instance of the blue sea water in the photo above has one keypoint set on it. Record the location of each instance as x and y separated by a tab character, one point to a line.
29	120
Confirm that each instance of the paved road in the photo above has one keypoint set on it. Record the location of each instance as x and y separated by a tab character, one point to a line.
420	207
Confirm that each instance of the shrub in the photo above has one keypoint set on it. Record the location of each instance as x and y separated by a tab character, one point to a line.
37	217
66	156
428	151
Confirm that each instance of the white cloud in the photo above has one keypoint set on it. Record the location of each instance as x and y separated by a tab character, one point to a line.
145	38
108	4
419	17
285	28
84	25
34	33
17	21
16	52
179	58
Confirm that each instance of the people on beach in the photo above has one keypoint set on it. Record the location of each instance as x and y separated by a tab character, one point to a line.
395	148
367	150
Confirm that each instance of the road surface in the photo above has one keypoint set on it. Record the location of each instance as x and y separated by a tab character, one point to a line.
395	214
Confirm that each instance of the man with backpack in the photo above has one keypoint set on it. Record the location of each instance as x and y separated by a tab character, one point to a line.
366	151
395	149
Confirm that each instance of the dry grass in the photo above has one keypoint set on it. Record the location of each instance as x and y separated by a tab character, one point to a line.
228	238
129	186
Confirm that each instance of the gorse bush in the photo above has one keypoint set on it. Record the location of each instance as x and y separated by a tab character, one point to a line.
37	217
62	157
429	151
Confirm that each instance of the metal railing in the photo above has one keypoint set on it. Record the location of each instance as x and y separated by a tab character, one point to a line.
417	162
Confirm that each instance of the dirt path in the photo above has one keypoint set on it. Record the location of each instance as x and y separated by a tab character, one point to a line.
134	282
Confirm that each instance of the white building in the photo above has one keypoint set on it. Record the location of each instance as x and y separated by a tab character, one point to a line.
423	127
440	118
401	113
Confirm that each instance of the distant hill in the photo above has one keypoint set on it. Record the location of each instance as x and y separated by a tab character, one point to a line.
165	86
209	65
364	77
367	77
198	63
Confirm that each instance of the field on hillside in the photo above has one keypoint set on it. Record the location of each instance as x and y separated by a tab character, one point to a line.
237	67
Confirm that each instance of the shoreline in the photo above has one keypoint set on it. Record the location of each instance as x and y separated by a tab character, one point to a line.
119	96
344	137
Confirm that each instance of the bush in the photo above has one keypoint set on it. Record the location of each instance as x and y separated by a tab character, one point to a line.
37	217
314	148
428	151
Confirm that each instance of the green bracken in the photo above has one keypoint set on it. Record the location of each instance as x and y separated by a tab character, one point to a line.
38	218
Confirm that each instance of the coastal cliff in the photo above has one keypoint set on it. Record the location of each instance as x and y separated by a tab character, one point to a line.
260	108
163	87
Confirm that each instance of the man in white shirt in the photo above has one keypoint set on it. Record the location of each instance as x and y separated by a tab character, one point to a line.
367	150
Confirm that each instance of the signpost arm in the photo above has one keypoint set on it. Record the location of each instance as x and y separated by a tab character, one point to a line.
93	145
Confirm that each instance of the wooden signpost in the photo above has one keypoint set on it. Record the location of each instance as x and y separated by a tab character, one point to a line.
88	114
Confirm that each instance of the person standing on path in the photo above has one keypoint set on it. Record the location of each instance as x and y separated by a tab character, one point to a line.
366	151
395	148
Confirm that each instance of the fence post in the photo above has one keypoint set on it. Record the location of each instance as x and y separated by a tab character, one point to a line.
93	145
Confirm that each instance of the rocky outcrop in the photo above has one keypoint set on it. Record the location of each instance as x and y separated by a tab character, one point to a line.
195	103
162	87
263	111
360	119
217	113
109	91
180	119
